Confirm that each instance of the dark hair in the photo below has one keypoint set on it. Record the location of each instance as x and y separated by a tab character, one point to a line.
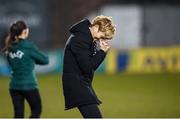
14	31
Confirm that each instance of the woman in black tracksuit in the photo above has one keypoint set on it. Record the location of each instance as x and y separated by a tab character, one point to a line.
84	52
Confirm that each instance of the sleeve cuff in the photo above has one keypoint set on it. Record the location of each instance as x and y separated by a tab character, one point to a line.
101	51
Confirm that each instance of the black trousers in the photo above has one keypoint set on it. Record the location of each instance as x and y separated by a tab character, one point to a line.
90	111
33	99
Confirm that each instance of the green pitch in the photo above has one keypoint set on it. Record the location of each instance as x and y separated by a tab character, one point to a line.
122	95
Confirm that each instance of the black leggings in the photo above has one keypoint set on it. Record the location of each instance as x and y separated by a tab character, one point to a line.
33	99
90	111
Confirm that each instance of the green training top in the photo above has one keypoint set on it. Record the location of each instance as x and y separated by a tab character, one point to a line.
22	58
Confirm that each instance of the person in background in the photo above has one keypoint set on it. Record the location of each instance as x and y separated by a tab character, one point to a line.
85	50
22	55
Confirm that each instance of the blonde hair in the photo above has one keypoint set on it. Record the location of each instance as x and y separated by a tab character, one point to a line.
105	25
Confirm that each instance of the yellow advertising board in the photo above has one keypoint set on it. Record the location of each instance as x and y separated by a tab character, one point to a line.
154	60
111	62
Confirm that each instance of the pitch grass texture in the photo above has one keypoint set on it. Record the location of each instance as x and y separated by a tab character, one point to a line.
123	96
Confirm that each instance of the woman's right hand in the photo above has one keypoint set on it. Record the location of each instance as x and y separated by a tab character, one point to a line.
104	45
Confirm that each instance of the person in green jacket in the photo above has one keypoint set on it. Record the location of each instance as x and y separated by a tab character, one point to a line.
22	55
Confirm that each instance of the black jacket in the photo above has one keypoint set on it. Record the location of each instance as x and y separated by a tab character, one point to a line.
80	61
